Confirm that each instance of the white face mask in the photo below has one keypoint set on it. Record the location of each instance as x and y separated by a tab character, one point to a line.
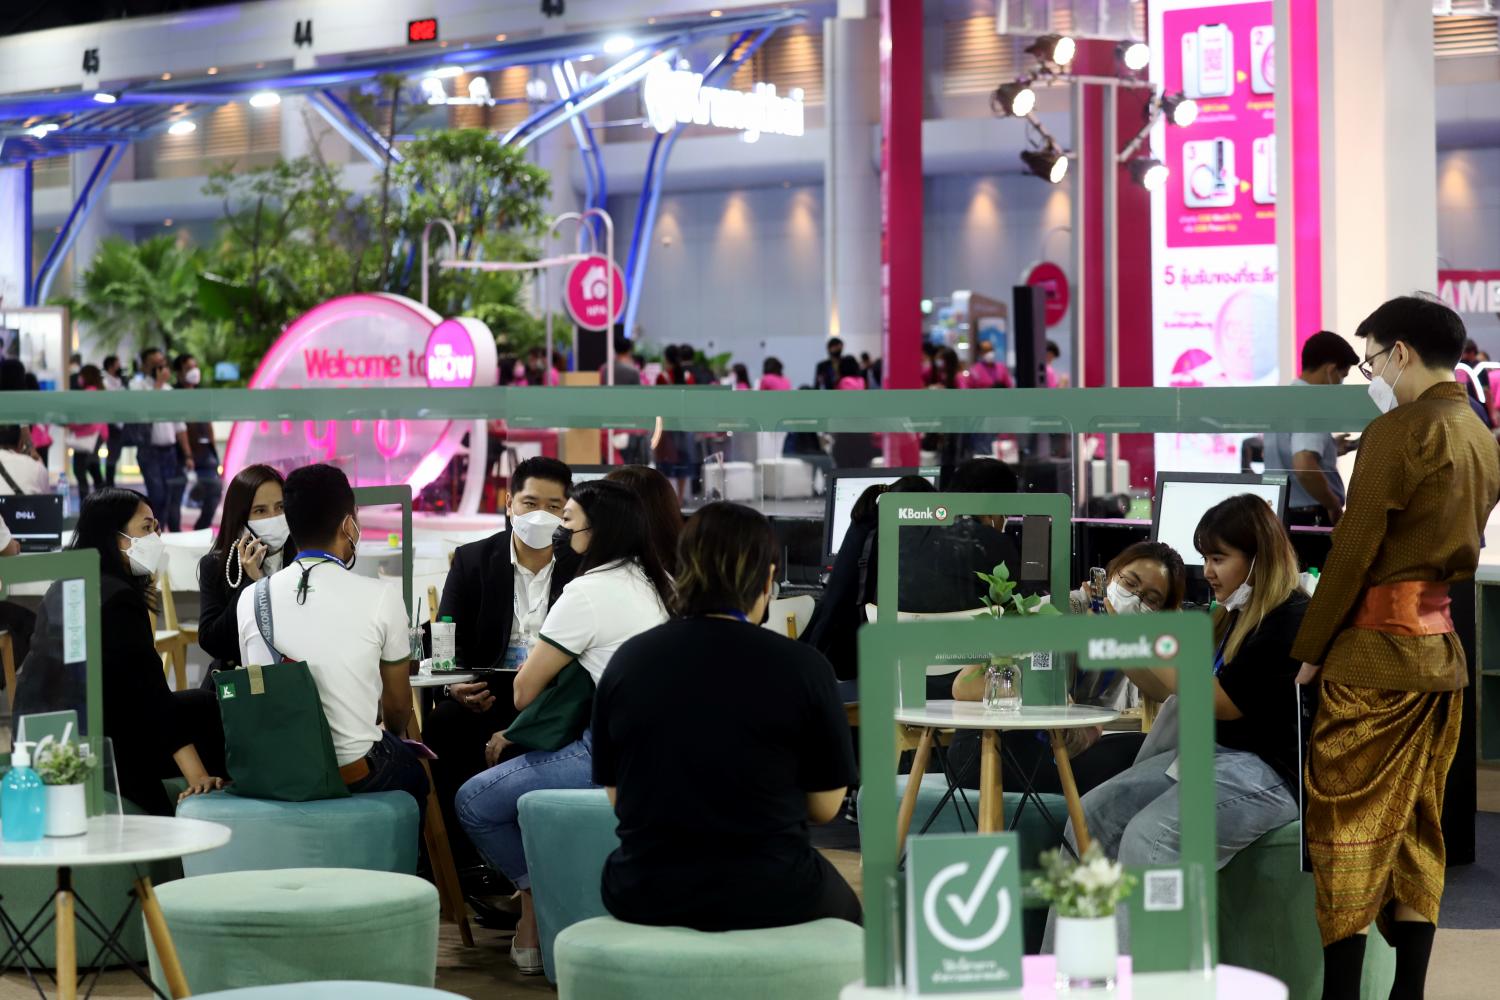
271	530
1123	601
192	376
534	528
145	553
1241	596
1383	392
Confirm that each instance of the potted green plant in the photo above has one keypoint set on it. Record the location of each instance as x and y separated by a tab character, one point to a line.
1002	678
1085	892
64	766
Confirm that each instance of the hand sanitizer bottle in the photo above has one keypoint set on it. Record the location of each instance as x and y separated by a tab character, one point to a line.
23	798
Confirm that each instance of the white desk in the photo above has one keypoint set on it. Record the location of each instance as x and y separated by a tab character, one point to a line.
113	840
1228	982
950	714
437	680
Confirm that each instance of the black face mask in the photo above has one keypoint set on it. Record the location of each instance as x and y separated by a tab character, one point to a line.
562	540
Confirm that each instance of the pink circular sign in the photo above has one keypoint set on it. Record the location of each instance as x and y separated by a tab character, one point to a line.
586	293
450	360
1054	281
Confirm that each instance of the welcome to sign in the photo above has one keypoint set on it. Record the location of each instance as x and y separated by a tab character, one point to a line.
377	341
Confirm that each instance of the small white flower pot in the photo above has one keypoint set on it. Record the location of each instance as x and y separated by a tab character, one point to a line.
1087	951
67	812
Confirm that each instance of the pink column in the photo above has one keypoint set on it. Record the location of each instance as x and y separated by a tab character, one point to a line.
901	192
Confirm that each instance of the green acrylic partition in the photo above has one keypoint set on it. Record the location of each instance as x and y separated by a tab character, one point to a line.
382	496
897	510
49	567
1073	411
1160	941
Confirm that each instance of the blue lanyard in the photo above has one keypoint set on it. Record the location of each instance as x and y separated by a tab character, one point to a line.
1219	655
731	613
323	559
318	553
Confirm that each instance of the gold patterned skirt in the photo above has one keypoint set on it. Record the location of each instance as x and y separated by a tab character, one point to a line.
1377	764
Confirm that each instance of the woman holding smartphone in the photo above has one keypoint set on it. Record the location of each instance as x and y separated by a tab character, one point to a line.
253	542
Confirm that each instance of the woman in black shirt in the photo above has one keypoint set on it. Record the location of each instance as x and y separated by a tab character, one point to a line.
252	543
720	841
156	733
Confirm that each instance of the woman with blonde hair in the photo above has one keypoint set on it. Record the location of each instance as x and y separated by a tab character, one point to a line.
1249	562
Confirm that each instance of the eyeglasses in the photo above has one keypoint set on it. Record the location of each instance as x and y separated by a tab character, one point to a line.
1367	366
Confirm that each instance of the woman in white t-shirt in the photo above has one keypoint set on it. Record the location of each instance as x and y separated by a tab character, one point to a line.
619	592
21	472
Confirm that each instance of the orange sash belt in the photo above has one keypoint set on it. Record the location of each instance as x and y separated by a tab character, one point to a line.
1411	607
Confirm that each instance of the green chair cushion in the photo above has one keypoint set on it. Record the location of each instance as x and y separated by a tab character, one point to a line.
377	832
1267	920
568	834
605	959
1036	834
340	990
296	925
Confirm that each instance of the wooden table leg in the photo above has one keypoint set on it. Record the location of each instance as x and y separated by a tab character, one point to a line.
161	939
1070	791
913	785
67	940
440	853
991	789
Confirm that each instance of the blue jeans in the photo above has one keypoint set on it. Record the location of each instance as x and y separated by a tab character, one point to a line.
1134	815
488	803
161	468
210	488
395	767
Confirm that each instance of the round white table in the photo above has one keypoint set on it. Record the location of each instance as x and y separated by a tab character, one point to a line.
110	840
1228	982
948	714
437	680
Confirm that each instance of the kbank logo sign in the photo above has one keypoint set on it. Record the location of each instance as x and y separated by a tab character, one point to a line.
1164	648
934	515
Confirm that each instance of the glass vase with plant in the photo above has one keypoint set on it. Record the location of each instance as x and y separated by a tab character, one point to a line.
1002	676
64	766
1085	892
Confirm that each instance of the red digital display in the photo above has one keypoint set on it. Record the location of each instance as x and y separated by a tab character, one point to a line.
424	30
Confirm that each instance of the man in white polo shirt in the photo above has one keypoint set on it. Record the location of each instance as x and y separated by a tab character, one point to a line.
351	631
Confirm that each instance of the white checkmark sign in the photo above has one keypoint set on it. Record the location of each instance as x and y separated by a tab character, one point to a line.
967	909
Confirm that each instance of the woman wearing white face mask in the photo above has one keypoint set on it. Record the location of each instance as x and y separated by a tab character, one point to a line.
1250	564
156	733
253	542
1146	577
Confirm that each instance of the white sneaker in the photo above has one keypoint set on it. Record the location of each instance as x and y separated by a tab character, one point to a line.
528	960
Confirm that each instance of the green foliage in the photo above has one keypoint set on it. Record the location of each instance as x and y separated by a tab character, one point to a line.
1002	596
63	763
145	294
1090	887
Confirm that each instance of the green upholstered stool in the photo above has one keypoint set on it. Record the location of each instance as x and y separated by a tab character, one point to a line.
1037	835
567	833
298	925
343	989
605	959
378	831
1267	921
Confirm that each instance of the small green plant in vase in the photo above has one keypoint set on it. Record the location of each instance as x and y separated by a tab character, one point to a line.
64	766
1002	678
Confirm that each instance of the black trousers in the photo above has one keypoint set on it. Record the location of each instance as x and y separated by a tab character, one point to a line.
458	737
141	766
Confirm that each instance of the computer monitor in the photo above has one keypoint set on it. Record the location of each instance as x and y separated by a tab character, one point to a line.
36	521
845	486
1182	498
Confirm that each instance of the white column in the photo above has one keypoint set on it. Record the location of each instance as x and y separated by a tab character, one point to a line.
1379	159
13	236
851	179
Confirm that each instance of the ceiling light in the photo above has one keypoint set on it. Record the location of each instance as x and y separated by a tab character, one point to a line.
265	99
433	88
166	222
447	72
183	127
618	44
1134	56
716	13
213	71
1048	163
43	130
586	57
1015	99
1180	109
166	76
1149	173
105	97
1056	49
500	38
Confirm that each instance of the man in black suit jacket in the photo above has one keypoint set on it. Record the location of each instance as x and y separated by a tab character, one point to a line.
827	374
482	598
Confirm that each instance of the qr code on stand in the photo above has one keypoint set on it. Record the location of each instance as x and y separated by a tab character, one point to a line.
1163	890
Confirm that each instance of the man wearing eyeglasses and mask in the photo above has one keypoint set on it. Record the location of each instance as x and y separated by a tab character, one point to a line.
1378	642
497	594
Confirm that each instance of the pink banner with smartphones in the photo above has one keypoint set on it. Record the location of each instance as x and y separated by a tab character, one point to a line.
1213	227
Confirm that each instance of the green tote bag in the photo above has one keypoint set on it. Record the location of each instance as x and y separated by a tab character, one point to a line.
559	715
276	739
